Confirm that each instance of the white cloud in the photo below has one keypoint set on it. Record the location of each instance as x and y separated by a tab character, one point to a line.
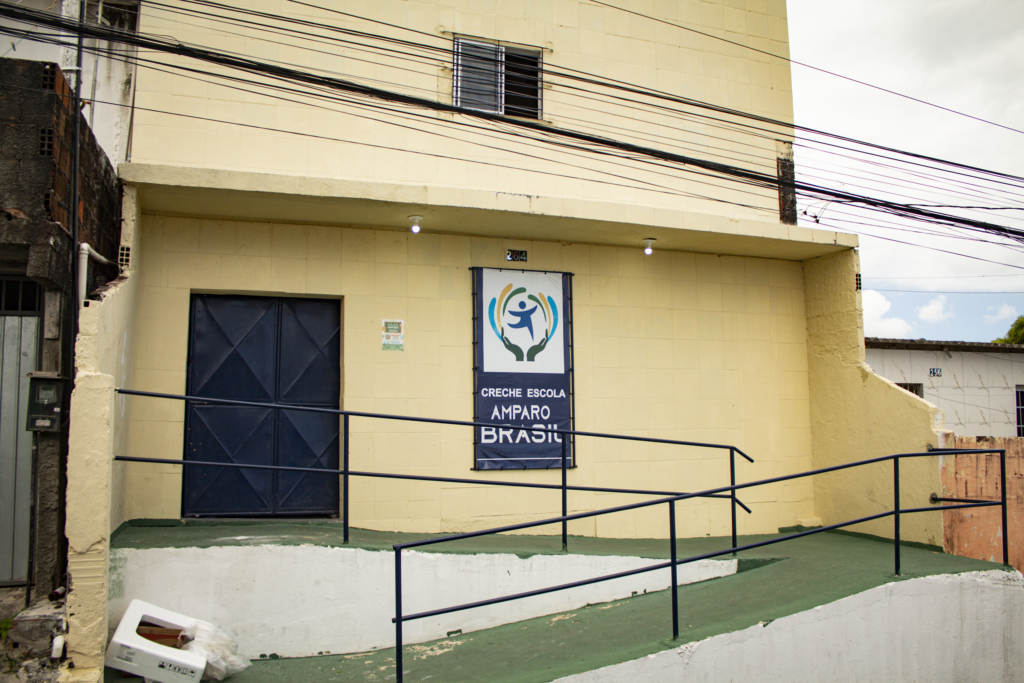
875	322
935	310
1005	312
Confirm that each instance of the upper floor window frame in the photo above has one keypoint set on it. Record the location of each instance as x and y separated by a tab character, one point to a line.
497	77
118	14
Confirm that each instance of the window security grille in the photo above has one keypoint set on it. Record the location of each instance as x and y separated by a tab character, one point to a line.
119	14
1020	410
912	388
20	296
496	78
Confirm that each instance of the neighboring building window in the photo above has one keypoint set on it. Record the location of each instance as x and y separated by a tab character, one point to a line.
119	14
496	78
912	388
1020	410
20	296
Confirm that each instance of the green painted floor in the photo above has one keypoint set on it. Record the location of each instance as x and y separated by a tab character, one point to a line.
774	581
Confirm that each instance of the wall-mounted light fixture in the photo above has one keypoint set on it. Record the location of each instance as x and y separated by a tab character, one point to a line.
415	223
649	241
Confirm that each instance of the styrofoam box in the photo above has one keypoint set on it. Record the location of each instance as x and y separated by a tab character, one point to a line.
128	651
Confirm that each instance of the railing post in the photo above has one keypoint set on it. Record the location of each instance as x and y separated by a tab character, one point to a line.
565	495
732	493
398	614
675	580
1002	498
896	508
344	477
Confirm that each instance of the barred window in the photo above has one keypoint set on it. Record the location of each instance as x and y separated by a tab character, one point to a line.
20	296
912	388
497	78
1020	410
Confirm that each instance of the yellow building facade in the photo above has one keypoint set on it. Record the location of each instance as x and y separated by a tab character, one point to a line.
738	329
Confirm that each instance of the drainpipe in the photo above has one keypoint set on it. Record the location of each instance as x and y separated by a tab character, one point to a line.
84	253
95	71
73	204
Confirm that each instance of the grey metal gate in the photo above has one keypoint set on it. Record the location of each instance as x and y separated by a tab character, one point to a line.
19	344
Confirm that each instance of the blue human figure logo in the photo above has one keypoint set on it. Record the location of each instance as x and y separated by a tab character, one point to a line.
525	318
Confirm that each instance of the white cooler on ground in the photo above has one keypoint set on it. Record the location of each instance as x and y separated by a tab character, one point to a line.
128	651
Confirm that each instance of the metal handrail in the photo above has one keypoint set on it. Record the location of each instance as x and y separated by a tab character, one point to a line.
347	472
431	420
414	477
667	498
674	562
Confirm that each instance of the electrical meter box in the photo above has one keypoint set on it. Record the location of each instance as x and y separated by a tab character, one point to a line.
45	402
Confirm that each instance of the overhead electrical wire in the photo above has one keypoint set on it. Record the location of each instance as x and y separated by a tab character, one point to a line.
543	131
935	277
939	291
920	230
748	206
652	188
255	66
930	248
930	186
735	112
433	121
564	72
809	66
208	3
602	142
986	208
218	5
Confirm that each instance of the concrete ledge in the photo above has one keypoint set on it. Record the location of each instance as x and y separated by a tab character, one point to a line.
298	601
263	197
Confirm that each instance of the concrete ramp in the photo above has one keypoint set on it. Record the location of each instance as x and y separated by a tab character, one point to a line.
940	629
820	608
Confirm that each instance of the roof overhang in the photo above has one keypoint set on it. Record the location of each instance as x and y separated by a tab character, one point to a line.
240	195
950	346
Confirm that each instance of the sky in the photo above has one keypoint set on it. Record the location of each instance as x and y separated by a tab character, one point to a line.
965	55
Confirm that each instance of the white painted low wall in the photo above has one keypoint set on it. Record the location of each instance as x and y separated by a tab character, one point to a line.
296	601
940	629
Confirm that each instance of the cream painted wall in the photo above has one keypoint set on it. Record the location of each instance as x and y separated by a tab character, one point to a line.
856	414
676	345
99	430
201	121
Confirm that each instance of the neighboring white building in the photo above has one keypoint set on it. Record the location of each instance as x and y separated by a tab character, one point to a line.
108	69
979	386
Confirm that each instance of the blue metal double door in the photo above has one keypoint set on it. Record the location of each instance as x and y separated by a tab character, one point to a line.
264	350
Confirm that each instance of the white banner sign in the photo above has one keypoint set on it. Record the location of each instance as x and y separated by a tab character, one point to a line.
523	325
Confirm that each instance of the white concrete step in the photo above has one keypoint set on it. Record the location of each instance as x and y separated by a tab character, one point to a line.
297	601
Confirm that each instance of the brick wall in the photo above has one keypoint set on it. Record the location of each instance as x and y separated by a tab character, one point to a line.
36	158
